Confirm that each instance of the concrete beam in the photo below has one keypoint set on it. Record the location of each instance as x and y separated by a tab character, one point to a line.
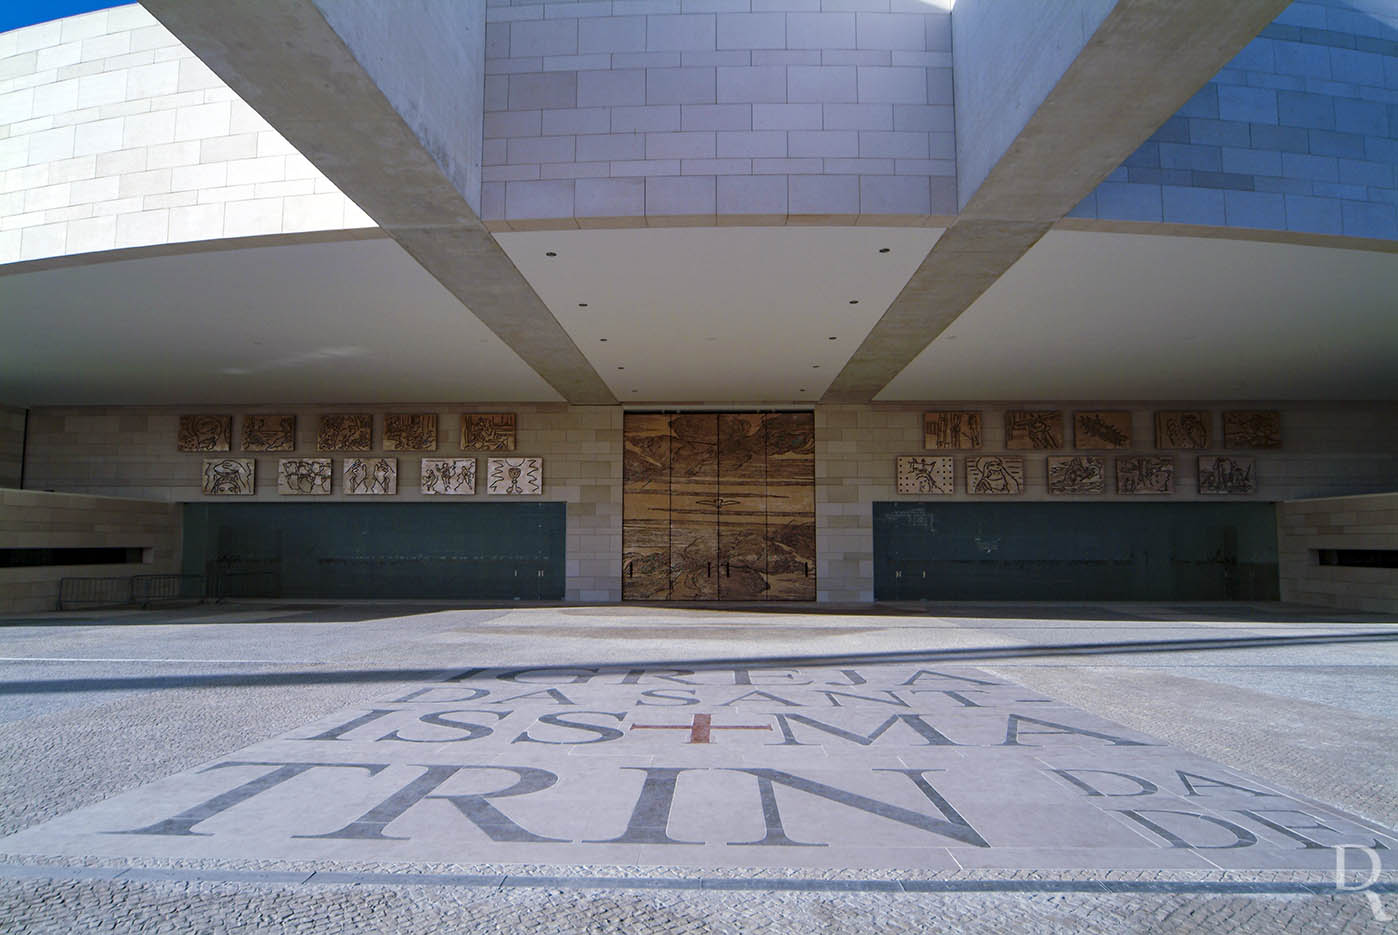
1139	66
407	162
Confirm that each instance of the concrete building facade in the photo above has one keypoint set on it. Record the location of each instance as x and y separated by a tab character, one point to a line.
867	210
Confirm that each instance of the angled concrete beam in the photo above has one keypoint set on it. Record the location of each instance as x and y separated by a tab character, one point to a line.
391	137
1137	68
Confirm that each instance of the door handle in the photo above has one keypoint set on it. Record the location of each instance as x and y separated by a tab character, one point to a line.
630	569
727	570
708	569
806	569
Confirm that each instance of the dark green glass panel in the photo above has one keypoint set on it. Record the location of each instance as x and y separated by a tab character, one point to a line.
1075	551
402	550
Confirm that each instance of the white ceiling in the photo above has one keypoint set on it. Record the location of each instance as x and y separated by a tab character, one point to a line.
356	321
1107	316
719	314
708	315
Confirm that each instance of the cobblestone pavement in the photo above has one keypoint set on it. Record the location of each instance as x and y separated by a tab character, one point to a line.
94	705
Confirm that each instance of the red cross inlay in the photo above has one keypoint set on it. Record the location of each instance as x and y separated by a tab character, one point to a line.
699	728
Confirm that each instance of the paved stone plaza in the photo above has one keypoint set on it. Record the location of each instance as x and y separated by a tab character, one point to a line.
413	768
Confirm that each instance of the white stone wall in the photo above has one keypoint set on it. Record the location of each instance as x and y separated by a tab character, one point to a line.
1361	522
1328	449
112	134
130	452
628	108
11	446
36	519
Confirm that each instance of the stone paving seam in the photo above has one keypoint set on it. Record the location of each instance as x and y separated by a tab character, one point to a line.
752	884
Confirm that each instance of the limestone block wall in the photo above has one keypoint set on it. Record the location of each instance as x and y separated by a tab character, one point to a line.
634	108
11	445
36	519
1328	449
1361	522
1298	133
113	134
130	452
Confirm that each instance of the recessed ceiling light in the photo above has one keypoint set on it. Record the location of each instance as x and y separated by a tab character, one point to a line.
883	249
550	253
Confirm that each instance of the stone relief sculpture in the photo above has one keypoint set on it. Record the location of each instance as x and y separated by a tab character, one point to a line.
415	431
1145	474
514	476
1102	429
995	475
947	429
1186	429
1252	429
269	433
371	476
449	476
1227	475
488	431
303	476
925	475
229	477
1034	428
1077	474
205	433
346	432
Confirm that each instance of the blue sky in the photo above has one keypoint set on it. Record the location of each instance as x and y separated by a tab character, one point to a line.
17	13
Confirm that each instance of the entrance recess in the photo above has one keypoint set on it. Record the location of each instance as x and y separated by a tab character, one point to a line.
1075	551
718	506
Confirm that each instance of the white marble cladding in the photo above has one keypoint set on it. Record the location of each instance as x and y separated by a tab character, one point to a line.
112	134
626	108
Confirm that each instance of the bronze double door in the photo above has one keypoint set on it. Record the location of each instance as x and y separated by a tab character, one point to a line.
718	506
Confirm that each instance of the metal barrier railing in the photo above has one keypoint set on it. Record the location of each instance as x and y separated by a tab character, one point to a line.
93	592
148	589
133	589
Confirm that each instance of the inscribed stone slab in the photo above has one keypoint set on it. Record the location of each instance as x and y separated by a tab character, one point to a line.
1145	474
488	431
898	765
1034	428
514	476
414	431
1252	429
1077	474
205	433
371	476
1227	474
926	475
346	432
304	476
950	429
1182	429
269	433
1102	429
449	476
995	475
229	477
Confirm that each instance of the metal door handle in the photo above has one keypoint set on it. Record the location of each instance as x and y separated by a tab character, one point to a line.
806	569
631	569
708	569
727	570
